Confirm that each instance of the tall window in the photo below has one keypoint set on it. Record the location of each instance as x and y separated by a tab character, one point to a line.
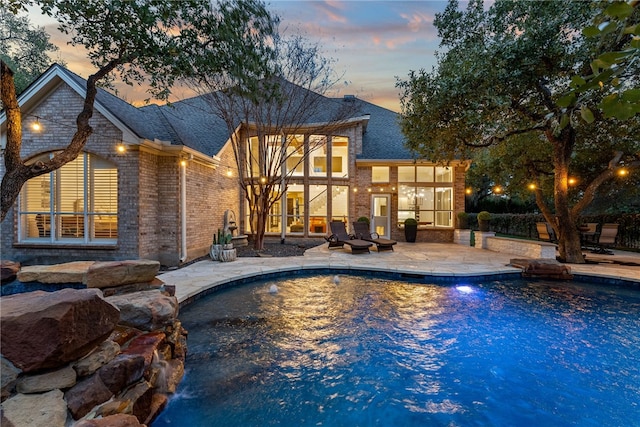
426	194
77	203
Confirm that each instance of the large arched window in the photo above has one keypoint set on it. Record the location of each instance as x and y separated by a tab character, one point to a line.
77	203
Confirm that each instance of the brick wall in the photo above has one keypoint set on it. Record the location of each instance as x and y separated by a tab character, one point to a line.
57	114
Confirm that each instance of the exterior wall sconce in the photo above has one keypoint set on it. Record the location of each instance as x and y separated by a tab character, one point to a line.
121	148
229	173
36	125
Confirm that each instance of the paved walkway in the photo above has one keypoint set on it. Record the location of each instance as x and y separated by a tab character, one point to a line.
436	259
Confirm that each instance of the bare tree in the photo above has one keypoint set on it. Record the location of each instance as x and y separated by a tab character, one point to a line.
288	100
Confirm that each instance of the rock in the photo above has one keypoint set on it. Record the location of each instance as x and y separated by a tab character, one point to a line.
61	378
542	268
8	270
85	395
35	410
118	420
158	403
141	395
173	375
42	330
148	310
99	357
69	272
145	346
122	334
9	374
125	369
115	273
135	287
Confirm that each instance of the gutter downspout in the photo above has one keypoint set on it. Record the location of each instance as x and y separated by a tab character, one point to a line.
183	211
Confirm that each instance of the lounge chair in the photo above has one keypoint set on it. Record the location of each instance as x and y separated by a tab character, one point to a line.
545	232
339	238
361	230
607	238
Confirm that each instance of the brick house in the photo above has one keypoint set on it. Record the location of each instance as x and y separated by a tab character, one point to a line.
154	182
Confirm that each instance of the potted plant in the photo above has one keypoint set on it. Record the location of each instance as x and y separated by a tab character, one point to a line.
483	220
363	219
463	220
216	247
410	229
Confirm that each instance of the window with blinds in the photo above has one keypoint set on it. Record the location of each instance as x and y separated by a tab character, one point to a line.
77	203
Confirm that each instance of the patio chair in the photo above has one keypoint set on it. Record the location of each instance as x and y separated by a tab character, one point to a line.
607	239
339	238
361	230
545	232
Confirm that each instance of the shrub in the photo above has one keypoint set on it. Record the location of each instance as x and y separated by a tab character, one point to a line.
484	216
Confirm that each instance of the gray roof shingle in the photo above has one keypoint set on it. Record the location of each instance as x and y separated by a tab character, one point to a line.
191	122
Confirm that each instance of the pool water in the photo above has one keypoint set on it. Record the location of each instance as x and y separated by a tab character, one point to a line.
362	351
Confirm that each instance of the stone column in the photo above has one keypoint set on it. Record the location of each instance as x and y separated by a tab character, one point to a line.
462	237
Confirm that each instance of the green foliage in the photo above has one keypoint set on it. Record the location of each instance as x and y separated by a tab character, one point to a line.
484	216
614	71
363	219
158	42
24	48
463	215
410	221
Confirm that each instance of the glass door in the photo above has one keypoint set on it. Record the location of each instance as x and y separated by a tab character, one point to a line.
381	210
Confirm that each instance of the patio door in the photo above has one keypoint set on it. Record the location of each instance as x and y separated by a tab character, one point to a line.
381	214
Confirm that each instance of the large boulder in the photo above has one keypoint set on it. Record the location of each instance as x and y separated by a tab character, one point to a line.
116	273
58	379
117	420
68	272
147	310
42	330
35	410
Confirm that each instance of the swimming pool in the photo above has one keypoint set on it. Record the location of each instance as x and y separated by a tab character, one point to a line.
361	351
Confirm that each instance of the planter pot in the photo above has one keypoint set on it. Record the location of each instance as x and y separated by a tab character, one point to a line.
483	224
214	252
227	246
410	233
228	255
463	224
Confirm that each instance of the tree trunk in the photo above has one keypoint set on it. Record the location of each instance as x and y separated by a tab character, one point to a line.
569	246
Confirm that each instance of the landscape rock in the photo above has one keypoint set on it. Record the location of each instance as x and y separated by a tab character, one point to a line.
42	330
148	310
118	420
125	369
35	410
141	396
85	395
9	374
68	272
158	403
145	346
99	357
116	273
59	379
8	270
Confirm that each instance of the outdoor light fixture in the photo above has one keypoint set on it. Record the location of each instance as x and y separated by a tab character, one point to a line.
263	180
497	189
622	172
36	125
468	191
532	186
120	148
572	181
183	162
229	173
369	190
355	190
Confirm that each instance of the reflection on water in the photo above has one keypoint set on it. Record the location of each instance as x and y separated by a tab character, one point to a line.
356	351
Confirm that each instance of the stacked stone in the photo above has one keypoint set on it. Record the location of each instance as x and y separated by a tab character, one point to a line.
78	357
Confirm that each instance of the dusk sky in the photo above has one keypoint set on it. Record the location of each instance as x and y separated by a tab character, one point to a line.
372	42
